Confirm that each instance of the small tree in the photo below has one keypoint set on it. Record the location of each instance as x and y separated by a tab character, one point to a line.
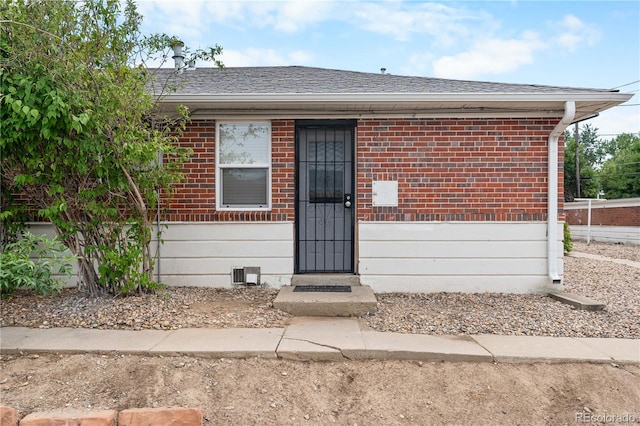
620	174
81	133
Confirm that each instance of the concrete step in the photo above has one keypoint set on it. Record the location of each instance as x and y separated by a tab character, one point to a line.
360	300
325	279
579	302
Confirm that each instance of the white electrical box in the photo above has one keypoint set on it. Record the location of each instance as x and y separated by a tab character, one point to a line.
385	193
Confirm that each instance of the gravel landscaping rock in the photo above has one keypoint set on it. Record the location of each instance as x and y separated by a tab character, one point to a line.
533	315
427	313
169	309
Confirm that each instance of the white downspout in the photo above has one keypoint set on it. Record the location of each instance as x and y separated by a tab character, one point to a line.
552	191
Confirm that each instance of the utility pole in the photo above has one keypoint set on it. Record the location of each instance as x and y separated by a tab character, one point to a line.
577	138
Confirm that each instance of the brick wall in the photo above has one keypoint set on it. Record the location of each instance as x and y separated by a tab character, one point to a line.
456	169
195	198
447	169
610	216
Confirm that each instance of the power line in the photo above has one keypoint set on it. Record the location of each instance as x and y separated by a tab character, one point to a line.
628	84
619	134
609	175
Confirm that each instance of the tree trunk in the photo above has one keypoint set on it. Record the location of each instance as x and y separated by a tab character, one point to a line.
89	280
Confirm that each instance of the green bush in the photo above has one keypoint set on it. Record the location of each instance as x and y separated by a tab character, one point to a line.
31	262
568	245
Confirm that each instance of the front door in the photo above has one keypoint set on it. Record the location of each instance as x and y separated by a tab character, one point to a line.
325	197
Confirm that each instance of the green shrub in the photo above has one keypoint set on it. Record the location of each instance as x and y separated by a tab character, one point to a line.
31	262
568	245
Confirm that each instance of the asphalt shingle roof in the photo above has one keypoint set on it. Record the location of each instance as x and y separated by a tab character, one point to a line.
299	79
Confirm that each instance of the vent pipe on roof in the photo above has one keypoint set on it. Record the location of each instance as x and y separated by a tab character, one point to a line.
383	71
178	56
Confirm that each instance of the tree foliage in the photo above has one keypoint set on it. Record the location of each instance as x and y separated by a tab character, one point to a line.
611	166
620	174
81	134
31	263
589	185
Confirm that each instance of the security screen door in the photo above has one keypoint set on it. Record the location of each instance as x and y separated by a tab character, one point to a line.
325	196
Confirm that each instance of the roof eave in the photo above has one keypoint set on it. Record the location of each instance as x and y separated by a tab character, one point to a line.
294	105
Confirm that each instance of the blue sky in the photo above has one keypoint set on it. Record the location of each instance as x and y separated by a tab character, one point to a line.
571	43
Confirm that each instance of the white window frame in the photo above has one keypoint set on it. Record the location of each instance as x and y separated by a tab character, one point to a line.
220	167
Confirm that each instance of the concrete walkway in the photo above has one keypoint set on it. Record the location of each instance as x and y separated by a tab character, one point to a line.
604	258
321	339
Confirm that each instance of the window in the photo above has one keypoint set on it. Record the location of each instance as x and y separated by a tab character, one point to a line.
326	172
243	159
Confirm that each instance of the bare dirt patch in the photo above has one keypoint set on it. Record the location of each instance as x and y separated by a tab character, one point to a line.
276	392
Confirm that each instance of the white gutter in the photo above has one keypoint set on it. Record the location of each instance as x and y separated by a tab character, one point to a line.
552	191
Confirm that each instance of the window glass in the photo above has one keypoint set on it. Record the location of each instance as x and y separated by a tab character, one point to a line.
244	187
243	155
326	172
244	143
325	184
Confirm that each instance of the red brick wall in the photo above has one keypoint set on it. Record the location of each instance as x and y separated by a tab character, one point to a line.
610	216
447	169
456	169
195	198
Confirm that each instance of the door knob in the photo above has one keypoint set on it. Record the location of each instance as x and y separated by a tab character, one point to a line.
347	200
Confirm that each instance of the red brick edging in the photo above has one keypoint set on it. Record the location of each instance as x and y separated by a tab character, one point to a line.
175	416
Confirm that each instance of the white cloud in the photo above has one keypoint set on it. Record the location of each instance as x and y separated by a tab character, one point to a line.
263	57
224	11
299	57
489	56
183	19
447	25
418	64
575	33
292	16
286	16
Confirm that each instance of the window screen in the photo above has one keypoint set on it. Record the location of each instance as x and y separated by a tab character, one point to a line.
244	165
244	187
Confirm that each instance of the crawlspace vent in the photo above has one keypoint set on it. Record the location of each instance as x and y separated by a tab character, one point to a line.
246	275
237	276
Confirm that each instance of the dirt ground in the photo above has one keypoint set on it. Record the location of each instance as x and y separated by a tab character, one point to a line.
277	392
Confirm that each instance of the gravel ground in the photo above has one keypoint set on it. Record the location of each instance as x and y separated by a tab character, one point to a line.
434	313
169	309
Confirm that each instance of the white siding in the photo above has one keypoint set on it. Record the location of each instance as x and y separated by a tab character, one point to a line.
609	234
203	254
455	256
403	257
